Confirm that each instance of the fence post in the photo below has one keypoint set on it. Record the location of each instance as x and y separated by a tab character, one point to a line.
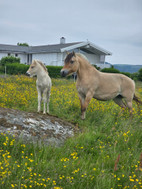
5	71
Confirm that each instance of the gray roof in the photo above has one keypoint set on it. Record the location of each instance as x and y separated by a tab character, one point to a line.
35	49
50	48
13	48
84	46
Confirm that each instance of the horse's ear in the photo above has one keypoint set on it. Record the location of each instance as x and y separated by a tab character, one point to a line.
73	53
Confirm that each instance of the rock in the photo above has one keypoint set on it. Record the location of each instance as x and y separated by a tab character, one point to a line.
34	127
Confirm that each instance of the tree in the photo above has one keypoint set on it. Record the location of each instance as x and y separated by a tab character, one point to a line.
23	44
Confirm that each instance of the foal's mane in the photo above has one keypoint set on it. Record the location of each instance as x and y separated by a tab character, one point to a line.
42	65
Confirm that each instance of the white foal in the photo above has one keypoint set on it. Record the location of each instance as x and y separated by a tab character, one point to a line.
43	83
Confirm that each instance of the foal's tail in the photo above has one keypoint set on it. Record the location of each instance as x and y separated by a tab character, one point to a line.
137	99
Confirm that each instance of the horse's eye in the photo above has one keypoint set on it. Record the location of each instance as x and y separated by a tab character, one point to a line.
71	61
32	67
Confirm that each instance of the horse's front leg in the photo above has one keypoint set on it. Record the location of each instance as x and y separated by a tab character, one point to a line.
84	101
39	100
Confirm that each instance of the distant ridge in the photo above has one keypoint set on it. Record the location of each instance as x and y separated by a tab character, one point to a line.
127	67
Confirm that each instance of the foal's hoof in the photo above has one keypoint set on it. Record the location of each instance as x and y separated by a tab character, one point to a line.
82	117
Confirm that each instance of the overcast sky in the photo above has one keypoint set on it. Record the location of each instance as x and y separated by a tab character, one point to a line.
115	25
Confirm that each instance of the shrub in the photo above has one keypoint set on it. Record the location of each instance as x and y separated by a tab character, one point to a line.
2	69
110	70
140	74
134	76
9	60
16	68
127	74
54	71
98	68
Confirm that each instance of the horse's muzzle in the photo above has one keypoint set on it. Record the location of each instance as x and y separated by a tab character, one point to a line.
64	73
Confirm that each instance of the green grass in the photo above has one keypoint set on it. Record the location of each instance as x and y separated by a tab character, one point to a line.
86	161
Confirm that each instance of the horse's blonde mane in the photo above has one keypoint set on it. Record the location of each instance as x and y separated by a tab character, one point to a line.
82	56
42	65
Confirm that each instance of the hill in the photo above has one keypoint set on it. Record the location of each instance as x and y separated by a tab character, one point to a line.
127	67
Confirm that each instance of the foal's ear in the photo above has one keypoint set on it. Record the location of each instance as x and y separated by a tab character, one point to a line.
34	61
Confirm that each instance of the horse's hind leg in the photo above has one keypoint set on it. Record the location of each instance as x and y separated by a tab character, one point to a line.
129	105
118	101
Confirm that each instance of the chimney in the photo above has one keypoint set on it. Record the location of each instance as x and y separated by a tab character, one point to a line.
62	40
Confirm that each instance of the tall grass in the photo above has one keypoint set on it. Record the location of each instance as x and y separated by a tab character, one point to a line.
106	154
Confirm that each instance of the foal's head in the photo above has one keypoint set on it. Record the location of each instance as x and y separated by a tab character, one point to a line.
33	69
71	64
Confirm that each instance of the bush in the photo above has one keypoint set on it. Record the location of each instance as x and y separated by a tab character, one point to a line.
127	74
140	74
134	76
54	71
2	69
16	68
9	60
110	70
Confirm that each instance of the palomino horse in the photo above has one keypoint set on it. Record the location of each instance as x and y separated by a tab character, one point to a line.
43	83
92	83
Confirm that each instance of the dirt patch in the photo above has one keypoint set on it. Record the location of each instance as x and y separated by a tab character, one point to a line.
33	127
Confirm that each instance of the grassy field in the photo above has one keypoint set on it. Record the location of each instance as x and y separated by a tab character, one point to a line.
107	154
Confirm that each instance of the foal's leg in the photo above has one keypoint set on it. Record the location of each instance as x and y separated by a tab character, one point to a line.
48	98
39	99
44	101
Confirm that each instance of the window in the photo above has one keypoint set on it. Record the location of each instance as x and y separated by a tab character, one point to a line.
8	54
16	55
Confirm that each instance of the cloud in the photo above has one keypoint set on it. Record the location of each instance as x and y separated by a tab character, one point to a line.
114	25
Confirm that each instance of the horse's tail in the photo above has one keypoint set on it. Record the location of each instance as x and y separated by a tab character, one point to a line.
137	99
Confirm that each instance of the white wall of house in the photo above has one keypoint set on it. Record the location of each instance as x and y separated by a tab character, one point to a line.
56	59
2	55
23	57
103	65
93	59
53	59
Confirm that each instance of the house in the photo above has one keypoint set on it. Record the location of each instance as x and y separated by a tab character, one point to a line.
55	54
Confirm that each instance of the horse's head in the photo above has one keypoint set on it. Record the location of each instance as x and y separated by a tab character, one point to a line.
71	64
33	69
